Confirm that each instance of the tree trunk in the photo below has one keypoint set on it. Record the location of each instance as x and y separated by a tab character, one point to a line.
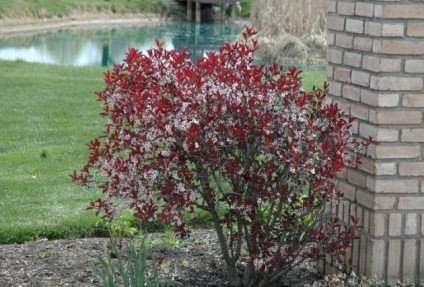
248	274
230	263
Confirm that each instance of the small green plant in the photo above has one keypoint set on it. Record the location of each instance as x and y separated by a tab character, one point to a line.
134	272
47	253
362	281
245	8
169	239
342	280
120	226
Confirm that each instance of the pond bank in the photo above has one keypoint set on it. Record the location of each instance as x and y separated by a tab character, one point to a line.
21	26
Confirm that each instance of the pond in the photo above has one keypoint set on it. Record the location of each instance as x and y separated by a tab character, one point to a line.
104	47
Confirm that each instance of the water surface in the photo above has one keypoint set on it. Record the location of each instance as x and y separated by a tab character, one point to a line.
76	47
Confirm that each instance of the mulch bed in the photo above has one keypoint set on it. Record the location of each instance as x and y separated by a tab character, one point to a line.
73	263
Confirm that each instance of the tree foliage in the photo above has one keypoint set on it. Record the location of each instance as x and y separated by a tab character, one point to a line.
241	141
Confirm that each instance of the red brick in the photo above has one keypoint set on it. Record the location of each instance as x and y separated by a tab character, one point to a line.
335	23
413	100
378	10
348	190
356	177
342	74
369	97
386	168
395	224
371	63
373	117
415	29
331	38
363	251
390	83
379	64
354	128
421	270
346	8
355	26
351	92
342	174
329	71
393	267
373	28
334	56
361	78
378	222
411	203
388	100
382	151
340	210
412	135
392	30
368	165
392	185
411	169
332	6
375	202
344	106
364	9
410	252
353	208
352	59
346	211
335	88
410	11
390	65
411	224
379	100
362	44
398	117
376	250
359	111
398	47
414	66
344	41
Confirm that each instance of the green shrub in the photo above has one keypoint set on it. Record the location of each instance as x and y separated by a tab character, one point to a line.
135	271
122	225
342	280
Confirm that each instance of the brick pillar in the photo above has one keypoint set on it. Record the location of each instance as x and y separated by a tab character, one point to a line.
375	71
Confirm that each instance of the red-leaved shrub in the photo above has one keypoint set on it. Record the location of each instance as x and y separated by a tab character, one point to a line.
238	140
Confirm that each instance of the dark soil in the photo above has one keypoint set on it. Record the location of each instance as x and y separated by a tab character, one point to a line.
195	262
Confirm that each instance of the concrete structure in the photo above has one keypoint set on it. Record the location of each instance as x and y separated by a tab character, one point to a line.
375	70
218	2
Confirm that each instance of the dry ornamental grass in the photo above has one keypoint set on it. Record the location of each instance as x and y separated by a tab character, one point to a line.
291	31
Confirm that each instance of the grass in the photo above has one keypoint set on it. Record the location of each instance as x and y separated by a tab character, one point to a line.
47	114
293	30
313	78
62	8
298	18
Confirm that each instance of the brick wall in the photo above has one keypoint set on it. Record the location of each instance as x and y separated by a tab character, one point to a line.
375	71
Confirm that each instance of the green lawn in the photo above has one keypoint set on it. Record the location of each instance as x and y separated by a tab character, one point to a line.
47	114
61	8
313	78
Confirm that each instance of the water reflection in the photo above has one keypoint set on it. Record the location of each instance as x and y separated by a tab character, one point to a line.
108	46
